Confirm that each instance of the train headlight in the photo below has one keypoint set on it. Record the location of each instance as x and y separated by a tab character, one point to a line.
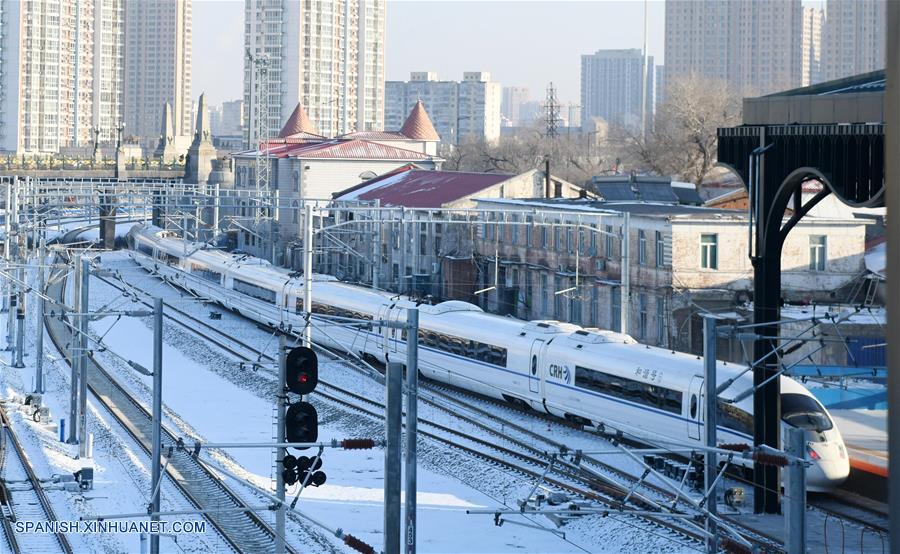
813	455
842	451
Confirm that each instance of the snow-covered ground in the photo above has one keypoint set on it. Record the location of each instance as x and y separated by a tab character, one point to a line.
207	395
449	482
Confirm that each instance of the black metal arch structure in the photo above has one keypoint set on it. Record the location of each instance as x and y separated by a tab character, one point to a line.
773	162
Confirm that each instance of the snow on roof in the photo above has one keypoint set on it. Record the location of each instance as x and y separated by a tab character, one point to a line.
417	188
876	258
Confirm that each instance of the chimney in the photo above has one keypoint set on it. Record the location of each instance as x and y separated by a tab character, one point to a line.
547	177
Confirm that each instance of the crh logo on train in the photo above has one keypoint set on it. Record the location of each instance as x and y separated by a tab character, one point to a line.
559	372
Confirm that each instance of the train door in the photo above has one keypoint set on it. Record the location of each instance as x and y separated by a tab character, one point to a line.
534	364
399	335
695	407
384	332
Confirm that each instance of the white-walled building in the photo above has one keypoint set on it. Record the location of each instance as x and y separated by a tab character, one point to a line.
306	165
811	47
612	84
308	45
684	260
754	46
854	37
158	68
460	110
61	71
511	104
425	218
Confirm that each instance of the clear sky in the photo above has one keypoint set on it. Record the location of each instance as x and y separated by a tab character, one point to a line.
519	43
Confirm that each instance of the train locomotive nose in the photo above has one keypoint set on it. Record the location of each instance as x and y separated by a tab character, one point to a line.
830	466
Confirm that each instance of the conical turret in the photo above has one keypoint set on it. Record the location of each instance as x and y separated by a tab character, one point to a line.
298	123
418	125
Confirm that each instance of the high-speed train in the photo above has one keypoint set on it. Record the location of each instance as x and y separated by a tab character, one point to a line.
591	376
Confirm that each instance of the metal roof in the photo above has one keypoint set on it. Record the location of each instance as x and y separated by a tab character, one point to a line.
634	188
419	188
352	149
687	195
873	81
375	135
657	209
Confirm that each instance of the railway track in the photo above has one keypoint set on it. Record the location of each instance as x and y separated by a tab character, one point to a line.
873	520
241	531
607	485
22	498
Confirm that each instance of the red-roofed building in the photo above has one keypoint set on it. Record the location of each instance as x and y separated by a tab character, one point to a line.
415	229
306	165
411	187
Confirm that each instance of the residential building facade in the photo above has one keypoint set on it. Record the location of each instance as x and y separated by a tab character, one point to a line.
231	118
510	106
329	56
854	37
61	68
811	46
613	85
754	46
460	110
158	68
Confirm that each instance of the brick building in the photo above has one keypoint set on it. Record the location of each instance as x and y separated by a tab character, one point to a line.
563	259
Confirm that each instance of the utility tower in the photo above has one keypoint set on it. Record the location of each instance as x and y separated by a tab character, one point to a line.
551	109
259	128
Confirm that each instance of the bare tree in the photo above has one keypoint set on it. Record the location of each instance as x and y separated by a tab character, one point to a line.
682	142
574	157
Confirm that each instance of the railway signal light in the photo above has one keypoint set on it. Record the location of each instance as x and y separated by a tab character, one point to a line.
289	476
302	370
307	466
301	423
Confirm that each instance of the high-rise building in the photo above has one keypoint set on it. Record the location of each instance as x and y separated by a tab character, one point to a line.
811	46
753	46
231	117
459	110
854	37
659	87
611	86
61	64
158	67
327	56
511	105
574	115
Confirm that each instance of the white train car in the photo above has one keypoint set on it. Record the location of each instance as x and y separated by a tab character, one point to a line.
592	376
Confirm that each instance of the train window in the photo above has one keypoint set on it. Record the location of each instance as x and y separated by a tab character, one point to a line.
466	348
636	391
325	309
693	406
253	290
732	417
168	258
298	305
205	273
144	249
534	365
803	412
